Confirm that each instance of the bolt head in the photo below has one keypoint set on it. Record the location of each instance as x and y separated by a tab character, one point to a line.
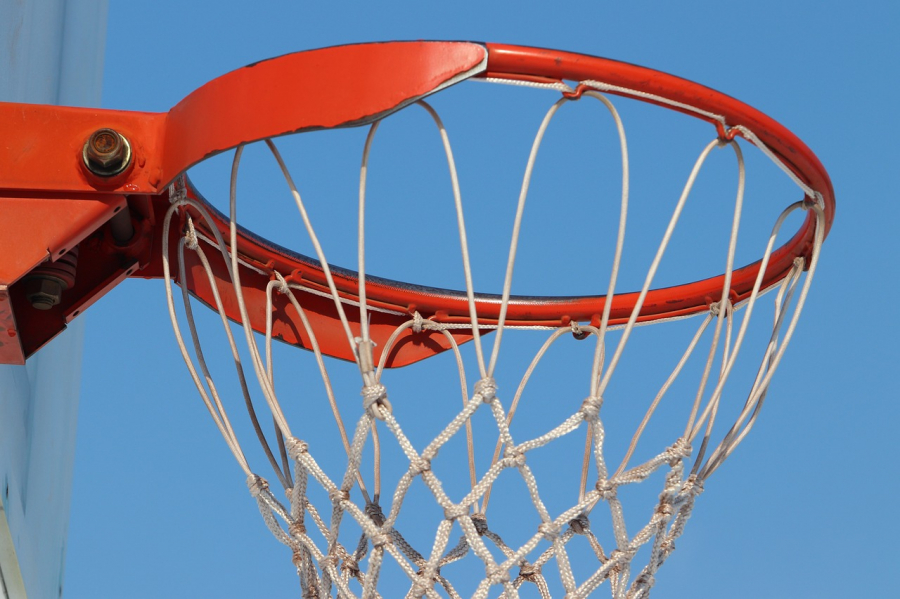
43	292
106	153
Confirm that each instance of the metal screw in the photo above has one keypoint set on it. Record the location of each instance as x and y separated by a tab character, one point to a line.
106	153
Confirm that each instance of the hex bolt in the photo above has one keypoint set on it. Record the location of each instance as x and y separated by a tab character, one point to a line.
45	284
44	292
106	153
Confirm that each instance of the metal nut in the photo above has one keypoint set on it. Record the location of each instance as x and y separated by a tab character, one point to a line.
106	153
44	292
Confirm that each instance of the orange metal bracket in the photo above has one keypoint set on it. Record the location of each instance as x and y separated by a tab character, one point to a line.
50	202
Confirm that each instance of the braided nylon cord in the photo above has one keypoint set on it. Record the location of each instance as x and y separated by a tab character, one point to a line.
326	567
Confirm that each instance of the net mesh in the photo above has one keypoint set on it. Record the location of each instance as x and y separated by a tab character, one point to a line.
341	535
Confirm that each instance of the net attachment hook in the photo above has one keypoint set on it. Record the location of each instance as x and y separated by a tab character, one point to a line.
578	332
576	93
726	134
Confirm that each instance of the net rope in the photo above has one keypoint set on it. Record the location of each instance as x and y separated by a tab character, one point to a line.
327	565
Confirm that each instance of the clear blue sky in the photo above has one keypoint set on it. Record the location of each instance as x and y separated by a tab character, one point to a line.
803	509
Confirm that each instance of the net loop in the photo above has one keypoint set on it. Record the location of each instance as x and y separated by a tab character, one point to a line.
486	389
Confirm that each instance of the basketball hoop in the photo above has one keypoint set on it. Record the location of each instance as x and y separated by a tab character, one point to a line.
117	203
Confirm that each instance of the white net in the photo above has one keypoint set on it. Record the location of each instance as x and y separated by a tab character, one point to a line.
352	537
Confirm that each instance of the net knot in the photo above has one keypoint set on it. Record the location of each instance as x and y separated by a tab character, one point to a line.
418	322
665	508
297	528
716	307
421	587
680	449
591	407
486	388
479	520
549	530
515	455
419	465
296	447
453	512
350	565
339	495
529	571
257	485
374	512
621	556
606	488
190	236
381	539
580	524
375	400
282	286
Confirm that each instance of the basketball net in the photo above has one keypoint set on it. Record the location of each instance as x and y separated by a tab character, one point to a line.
340	544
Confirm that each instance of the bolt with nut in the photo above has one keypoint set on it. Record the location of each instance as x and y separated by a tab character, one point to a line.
106	153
